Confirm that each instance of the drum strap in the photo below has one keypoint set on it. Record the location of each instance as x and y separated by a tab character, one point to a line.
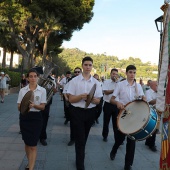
136	90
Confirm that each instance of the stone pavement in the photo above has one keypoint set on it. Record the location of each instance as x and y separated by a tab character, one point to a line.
57	155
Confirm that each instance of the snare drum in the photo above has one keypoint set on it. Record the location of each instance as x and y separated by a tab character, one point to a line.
138	121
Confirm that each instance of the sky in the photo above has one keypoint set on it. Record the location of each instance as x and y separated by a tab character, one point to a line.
122	28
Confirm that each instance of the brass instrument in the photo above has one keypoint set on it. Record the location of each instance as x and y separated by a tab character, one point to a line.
46	82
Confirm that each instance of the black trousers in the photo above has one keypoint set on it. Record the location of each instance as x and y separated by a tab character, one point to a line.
99	108
72	131
45	116
66	109
109	110
151	140
130	147
82	120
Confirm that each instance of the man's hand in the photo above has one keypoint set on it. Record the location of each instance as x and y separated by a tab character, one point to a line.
95	100
54	90
31	104
83	96
119	105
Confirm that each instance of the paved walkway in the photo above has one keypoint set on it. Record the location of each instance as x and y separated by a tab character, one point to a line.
57	155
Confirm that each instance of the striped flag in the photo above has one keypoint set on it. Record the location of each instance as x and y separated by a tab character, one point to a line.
163	94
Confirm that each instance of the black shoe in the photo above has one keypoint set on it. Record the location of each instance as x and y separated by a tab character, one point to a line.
66	121
105	139
112	155
128	167
157	131
26	168
153	148
146	144
71	143
97	121
43	142
93	124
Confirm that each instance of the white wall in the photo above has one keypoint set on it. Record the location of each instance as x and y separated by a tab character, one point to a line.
8	56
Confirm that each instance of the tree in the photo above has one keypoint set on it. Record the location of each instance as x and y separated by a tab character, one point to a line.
34	23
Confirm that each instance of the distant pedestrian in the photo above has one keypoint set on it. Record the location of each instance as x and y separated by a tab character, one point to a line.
146	86
3	85
24	81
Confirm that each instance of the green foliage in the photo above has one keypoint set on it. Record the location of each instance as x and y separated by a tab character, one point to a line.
103	63
31	23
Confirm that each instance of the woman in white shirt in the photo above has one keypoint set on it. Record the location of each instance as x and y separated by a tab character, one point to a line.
31	123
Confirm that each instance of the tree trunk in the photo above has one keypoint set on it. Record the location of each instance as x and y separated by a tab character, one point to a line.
4	58
45	48
30	43
11	60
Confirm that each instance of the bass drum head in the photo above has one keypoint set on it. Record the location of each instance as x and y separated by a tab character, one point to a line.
137	116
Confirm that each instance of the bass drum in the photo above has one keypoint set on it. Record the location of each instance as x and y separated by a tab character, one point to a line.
138	120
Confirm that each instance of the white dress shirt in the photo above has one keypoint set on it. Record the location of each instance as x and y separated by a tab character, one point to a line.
64	81
126	92
108	85
150	95
79	85
39	96
66	87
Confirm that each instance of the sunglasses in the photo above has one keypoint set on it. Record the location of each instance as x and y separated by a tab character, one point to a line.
77	72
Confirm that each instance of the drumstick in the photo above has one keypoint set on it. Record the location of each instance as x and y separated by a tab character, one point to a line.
126	112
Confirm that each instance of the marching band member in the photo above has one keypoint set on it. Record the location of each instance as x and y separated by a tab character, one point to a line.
45	113
63	82
109	110
77	71
126	92
151	99
31	123
100	105
83	118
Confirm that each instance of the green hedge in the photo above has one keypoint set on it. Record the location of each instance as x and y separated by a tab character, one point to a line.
15	77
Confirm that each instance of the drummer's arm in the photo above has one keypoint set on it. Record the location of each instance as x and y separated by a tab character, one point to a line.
95	100
107	92
75	99
144	98
117	103
152	102
19	106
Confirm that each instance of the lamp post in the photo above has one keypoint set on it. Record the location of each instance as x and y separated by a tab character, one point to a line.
159	26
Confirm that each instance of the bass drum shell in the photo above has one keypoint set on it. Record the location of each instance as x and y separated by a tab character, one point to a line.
138	121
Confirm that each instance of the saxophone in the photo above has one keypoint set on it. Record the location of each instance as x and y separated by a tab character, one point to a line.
45	81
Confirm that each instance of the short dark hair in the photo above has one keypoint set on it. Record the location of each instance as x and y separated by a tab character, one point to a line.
77	68
87	58
68	72
130	67
32	70
114	69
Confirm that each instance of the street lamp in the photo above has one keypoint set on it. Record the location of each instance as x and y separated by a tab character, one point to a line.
159	26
